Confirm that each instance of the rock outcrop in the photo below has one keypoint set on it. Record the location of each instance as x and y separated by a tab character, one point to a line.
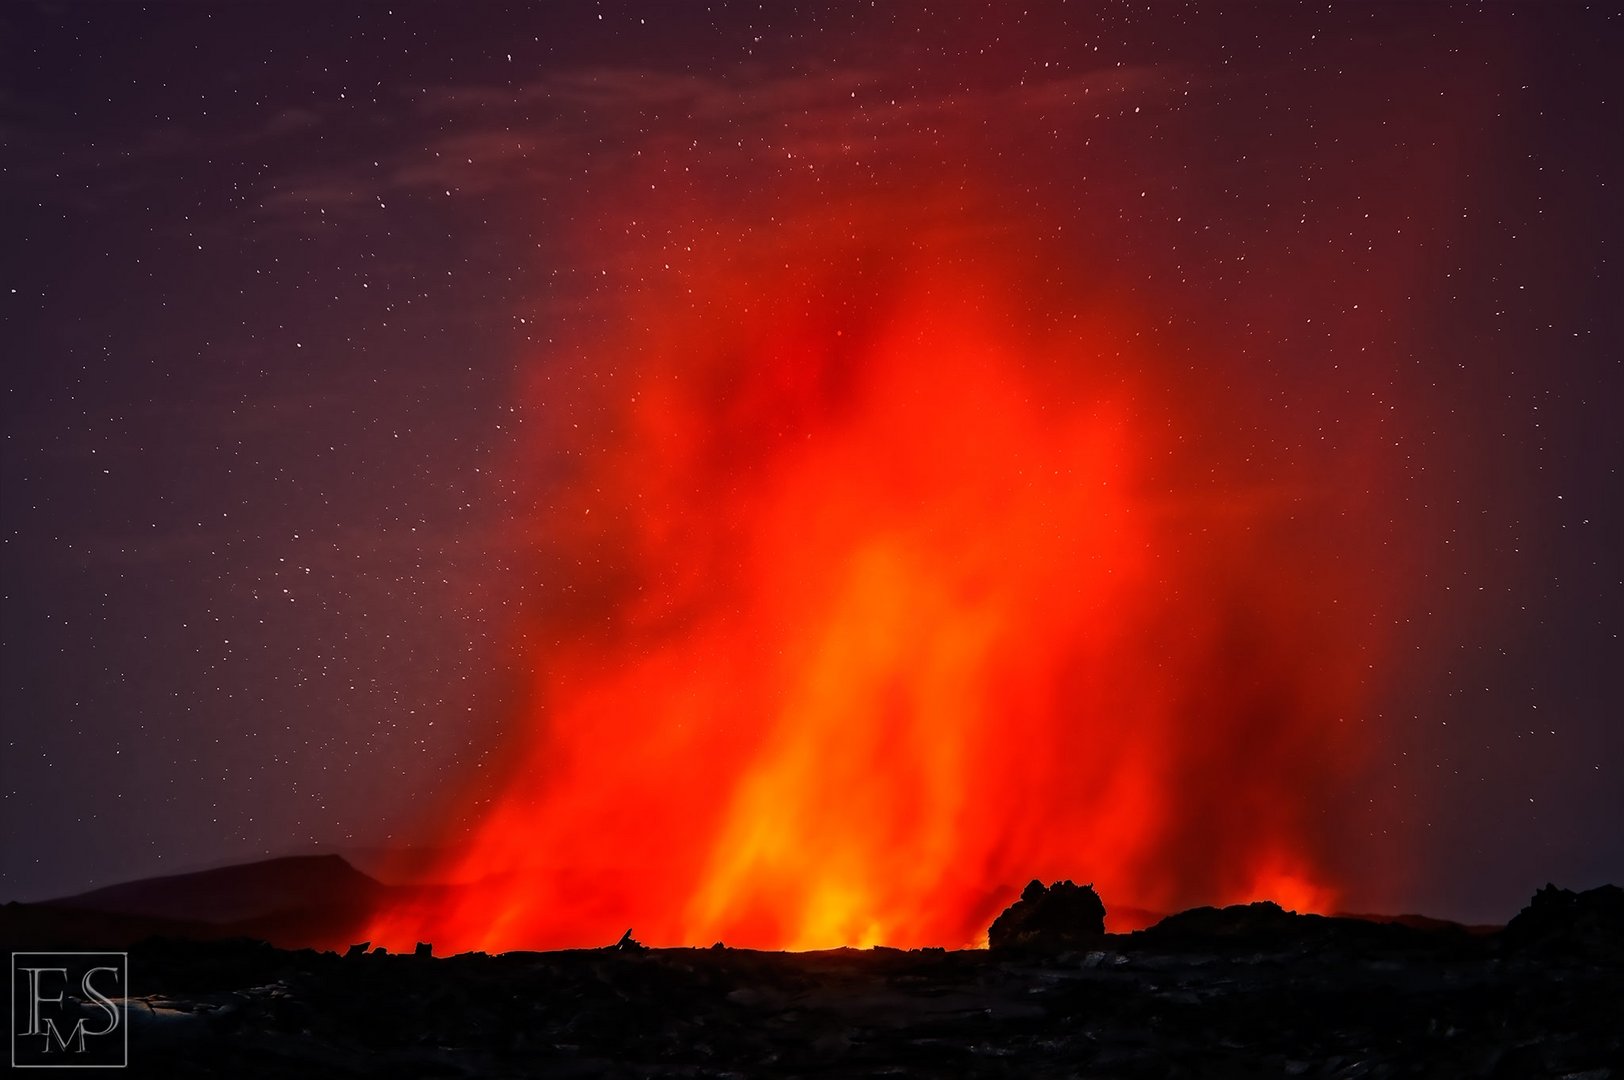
1588	924
1059	918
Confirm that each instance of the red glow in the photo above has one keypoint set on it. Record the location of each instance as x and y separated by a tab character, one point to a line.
887	585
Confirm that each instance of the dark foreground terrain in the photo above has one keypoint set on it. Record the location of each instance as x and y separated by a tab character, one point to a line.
1248	991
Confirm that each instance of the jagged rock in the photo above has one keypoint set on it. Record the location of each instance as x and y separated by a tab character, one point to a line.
1589	923
1259	925
1046	920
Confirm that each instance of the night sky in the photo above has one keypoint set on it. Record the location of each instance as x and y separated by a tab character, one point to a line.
309	313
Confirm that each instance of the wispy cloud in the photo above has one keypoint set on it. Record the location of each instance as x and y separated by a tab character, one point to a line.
484	138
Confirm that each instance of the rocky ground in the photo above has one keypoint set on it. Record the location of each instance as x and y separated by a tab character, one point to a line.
1244	992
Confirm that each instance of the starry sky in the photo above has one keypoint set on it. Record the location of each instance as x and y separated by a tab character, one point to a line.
304	310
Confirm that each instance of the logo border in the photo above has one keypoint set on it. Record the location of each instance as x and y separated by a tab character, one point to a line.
124	1019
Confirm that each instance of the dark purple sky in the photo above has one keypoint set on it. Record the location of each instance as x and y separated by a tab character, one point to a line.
273	275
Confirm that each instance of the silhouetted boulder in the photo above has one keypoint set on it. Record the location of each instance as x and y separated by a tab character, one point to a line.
1589	924
1046	920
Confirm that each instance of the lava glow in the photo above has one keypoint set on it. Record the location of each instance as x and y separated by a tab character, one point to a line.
886	585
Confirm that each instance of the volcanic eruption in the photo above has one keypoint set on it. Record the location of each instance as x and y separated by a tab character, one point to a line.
875	575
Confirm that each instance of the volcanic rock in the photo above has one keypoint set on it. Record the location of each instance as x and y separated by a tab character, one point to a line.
1246	991
1589	923
1259	925
1132	1010
1266	927
1056	919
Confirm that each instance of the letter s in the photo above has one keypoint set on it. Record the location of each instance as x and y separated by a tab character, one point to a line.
102	1002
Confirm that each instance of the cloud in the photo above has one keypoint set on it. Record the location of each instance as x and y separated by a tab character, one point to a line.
563	136
581	114
478	161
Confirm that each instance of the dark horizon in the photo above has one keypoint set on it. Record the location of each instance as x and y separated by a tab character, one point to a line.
165	895
316	901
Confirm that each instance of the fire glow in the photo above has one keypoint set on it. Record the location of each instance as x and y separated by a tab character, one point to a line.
877	595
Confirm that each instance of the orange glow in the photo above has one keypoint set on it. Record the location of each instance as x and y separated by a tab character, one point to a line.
888	583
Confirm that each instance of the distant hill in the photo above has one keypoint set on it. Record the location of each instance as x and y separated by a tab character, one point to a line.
303	901
234	894
25	927
1421	922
